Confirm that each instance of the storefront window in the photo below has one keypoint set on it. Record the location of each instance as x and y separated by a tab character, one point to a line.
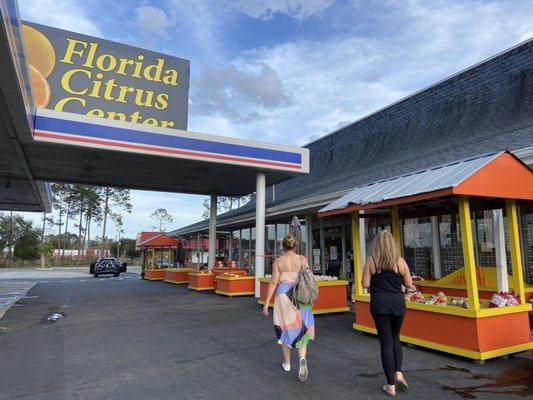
417	246
282	230
245	248
372	227
252	248
236	245
317	258
270	247
486	241
451	253
527	241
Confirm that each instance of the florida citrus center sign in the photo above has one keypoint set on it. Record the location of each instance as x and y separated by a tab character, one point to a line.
96	77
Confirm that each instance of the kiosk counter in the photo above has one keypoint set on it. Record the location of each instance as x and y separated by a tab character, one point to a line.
177	275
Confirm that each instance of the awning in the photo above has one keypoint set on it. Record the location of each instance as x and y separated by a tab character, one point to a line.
497	175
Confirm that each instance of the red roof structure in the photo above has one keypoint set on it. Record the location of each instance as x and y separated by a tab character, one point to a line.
143	237
159	241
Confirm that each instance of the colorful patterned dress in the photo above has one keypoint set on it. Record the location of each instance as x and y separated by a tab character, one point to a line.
294	328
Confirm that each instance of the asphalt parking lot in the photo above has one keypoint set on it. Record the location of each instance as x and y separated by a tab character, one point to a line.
76	337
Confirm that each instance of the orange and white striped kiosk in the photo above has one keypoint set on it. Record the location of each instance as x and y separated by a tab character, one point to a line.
498	182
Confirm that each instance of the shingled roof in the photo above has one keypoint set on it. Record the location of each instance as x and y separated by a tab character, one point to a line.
485	108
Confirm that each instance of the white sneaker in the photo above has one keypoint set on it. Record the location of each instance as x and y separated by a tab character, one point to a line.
286	367
302	371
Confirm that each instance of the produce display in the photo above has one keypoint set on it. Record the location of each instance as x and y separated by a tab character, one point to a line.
503	299
440	299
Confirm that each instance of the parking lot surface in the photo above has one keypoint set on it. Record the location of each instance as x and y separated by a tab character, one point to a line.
72	336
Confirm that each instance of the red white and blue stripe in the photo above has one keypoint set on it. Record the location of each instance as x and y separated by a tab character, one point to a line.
80	130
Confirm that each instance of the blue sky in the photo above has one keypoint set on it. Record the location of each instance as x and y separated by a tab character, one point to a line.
290	71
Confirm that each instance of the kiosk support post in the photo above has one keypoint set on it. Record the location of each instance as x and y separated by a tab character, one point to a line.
357	262
396	227
153	259
468	253
514	241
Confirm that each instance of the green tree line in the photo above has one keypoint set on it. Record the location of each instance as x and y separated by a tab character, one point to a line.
78	210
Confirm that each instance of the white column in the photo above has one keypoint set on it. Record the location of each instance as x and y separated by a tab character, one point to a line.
212	231
362	240
435	248
501	259
259	231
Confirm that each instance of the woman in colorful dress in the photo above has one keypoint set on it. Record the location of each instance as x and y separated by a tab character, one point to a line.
294	326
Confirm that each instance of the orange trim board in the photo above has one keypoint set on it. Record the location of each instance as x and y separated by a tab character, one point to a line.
198	289
231	294
504	177
476	355
176	282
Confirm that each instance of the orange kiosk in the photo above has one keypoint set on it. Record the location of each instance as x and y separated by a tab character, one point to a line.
201	280
157	255
232	281
473	330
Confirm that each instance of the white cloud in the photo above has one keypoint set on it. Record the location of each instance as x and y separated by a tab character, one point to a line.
266	9
347	77
240	95
152	21
65	14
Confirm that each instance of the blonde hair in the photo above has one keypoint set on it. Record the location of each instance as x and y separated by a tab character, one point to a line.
385	252
289	242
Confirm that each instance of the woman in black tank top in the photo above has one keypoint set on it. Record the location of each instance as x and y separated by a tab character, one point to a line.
385	273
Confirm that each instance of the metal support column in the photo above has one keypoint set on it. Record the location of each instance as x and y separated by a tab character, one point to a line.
259	231
212	231
501	259
467	242
362	241
514	244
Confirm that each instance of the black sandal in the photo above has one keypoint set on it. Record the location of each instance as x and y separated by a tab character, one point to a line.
402	384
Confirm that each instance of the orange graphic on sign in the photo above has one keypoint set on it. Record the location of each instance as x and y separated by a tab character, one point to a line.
41	59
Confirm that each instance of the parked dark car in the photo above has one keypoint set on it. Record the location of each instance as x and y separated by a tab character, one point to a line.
107	265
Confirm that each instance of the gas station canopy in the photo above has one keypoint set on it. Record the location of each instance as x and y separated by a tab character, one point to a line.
39	145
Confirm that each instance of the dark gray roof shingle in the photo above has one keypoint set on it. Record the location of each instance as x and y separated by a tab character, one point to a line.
486	108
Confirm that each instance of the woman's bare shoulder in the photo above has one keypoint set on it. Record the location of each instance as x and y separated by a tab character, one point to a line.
402	265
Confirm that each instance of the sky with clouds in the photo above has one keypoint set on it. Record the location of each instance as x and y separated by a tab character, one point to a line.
290	71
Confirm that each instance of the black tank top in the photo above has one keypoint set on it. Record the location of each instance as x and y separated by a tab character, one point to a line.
386	294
